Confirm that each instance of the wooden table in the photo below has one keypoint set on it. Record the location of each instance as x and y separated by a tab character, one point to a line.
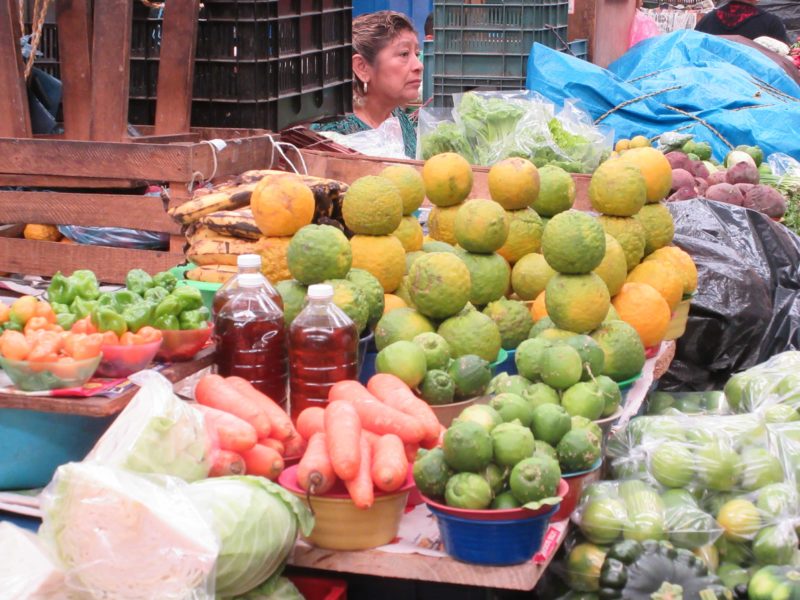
101	406
445	569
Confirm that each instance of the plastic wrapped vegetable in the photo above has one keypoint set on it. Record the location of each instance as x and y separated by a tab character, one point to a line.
138	280
257	522
687	403
124	535
27	570
767	385
156	433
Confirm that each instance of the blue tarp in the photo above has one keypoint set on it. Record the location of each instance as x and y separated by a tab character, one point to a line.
737	90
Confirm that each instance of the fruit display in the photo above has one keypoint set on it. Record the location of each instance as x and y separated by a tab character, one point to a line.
485	462
770	387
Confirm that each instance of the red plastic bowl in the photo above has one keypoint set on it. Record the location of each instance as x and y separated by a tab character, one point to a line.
288	479
121	361
182	344
505	514
576	481
652	351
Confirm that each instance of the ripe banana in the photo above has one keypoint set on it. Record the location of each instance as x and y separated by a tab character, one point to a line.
219	250
211	273
196	232
235	223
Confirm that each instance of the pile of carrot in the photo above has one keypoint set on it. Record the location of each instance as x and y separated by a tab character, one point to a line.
366	437
250	433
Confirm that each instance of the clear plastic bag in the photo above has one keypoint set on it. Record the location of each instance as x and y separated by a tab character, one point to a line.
385	141
687	403
768	386
127	536
156	433
437	133
27	570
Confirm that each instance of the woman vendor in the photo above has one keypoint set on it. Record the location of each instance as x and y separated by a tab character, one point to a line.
387	74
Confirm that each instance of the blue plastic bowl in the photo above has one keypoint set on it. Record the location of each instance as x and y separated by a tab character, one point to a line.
497	365
509	365
495	543
34	444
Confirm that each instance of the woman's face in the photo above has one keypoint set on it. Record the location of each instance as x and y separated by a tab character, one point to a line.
397	72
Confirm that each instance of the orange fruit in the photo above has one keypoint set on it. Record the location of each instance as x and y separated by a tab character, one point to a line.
390	302
643	308
663	276
281	205
538	309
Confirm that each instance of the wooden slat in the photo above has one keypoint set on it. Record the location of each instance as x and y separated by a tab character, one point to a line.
111	50
60	181
88	210
15	118
176	66
110	264
151	162
166	139
74	34
100	406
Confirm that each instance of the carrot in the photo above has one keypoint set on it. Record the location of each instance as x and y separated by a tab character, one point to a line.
233	433
274	444
389	463
295	446
360	487
391	390
376	416
282	428
264	461
372	438
342	438
429	444
315	471
214	391
410	450
311	421
226	462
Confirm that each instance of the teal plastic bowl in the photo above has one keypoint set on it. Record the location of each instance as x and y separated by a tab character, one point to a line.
207	290
502	359
626	385
34	444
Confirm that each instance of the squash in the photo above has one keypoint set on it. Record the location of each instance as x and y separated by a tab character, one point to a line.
771	583
656	570
47	233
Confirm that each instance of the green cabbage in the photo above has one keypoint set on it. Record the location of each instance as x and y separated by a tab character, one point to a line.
156	433
256	521
124	535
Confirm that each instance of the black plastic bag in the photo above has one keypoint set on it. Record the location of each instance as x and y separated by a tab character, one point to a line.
747	307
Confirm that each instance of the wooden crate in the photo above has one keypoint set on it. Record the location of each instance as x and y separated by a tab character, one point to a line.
88	183
348	168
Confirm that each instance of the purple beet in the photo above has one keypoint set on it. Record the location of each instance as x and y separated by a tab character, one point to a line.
768	200
681	178
725	192
743	172
685	193
678	160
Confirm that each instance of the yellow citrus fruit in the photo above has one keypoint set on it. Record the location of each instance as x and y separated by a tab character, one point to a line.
622	144
391	302
656	170
639	141
372	206
614	267
282	205
573	242
617	189
514	183
659	228
409	232
524	234
577	303
274	264
448	178
641	306
630	235
539	308
663	276
481	226
739	519
409	184
381	255
442	224
681	261
530	276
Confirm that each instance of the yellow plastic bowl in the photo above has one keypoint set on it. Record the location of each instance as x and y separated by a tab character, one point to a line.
339	525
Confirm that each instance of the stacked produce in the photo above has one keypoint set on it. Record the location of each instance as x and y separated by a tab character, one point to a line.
364	437
256	212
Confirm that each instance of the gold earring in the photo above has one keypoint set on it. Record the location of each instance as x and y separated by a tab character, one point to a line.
366	85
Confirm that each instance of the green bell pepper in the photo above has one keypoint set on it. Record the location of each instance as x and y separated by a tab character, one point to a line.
190	297
80	307
13	326
137	315
61	289
170	305
107	319
66	320
156	294
59	308
166	321
138	280
85	284
166	280
195	319
125	298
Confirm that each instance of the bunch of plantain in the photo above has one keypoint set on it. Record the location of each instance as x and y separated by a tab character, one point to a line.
211	273
219	250
235	223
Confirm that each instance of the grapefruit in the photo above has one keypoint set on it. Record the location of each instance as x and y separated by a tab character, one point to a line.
525	229
617	189
556	191
448	179
439	284
409	184
531	274
481	226
573	242
514	183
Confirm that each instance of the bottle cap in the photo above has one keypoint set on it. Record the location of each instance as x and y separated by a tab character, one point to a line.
250	280
248	260
320	291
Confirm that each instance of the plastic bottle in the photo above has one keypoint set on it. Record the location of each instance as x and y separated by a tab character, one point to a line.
246	263
251	338
323	349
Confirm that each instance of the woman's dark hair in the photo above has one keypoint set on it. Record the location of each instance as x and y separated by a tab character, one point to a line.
429	26
372	33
